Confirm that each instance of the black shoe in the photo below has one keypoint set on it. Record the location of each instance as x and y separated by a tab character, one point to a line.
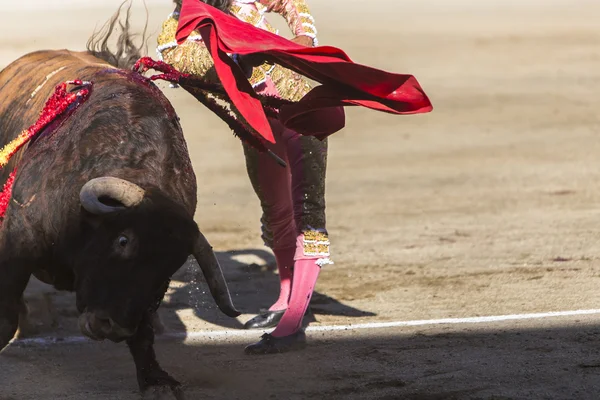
271	345
268	319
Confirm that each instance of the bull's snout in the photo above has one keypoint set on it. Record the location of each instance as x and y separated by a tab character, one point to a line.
98	325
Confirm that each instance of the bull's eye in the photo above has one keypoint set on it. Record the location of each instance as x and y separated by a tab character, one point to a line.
123	241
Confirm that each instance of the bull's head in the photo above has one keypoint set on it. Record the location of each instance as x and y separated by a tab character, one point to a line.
139	239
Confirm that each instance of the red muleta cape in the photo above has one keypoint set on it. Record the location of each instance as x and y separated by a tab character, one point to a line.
343	82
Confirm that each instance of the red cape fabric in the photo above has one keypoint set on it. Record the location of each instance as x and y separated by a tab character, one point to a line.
343	82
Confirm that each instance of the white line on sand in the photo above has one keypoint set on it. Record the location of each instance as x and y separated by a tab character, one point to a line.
327	328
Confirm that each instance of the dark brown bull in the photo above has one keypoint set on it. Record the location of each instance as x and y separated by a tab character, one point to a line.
102	204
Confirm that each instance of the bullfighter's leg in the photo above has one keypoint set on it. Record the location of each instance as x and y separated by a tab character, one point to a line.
272	185
307	157
151	377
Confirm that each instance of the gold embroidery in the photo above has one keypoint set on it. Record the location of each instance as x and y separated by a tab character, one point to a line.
316	249
301	19
316	243
313	235
169	28
301	6
192	57
290	85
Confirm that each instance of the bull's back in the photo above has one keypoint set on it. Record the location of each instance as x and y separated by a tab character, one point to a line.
27	83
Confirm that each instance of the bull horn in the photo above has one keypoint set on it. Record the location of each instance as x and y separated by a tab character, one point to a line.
211	269
127	193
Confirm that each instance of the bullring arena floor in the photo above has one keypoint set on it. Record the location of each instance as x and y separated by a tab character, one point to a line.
487	207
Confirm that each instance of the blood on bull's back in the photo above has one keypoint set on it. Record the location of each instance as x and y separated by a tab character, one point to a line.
27	83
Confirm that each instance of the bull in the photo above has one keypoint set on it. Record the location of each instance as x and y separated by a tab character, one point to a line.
102	203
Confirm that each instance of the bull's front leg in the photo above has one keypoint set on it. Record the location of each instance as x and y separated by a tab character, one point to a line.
26	327
13	280
152	379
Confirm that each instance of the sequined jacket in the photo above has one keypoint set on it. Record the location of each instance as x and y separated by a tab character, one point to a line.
192	56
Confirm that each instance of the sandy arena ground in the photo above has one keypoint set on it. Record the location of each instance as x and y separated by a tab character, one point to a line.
487	206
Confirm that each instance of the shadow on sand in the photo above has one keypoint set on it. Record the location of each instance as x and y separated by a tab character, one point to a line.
508	361
254	285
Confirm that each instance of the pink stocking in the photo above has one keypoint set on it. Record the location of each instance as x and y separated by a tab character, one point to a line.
285	265
306	272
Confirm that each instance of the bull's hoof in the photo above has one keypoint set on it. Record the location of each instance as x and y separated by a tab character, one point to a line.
269	344
26	327
7	332
158	385
163	393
